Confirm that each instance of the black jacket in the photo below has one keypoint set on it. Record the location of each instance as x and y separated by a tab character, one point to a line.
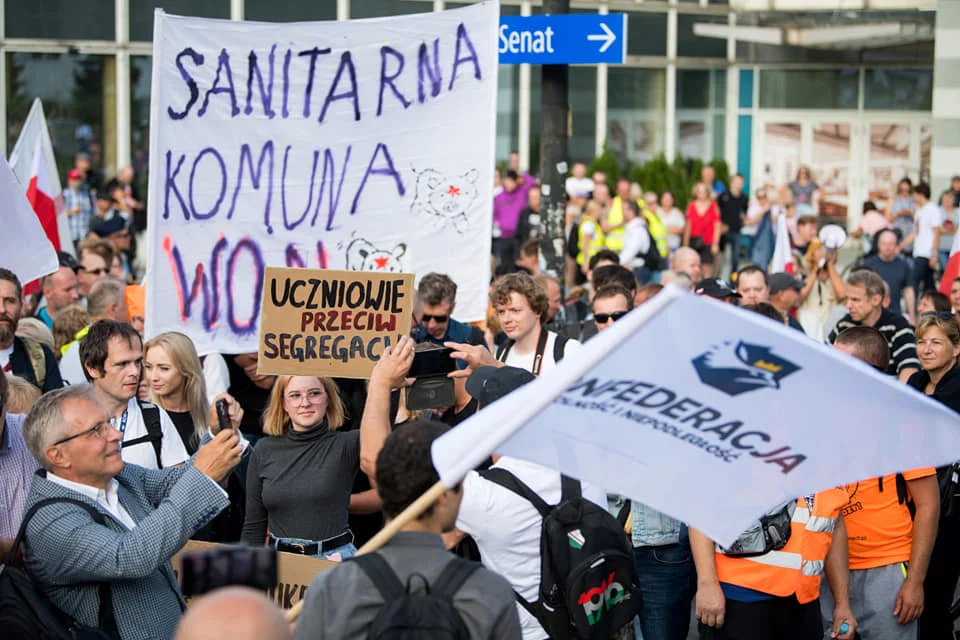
947	391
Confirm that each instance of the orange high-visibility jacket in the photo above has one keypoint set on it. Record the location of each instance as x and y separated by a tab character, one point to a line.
796	568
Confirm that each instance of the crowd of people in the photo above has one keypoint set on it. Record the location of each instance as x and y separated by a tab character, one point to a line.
113	455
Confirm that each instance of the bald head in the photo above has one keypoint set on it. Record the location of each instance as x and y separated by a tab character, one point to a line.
234	613
687	260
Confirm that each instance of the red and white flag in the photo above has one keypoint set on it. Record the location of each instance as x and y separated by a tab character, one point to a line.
25	248
782	257
34	165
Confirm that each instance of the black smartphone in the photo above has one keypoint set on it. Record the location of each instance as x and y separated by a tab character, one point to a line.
203	571
432	362
223	416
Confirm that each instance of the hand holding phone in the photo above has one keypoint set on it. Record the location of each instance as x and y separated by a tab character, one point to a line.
223	415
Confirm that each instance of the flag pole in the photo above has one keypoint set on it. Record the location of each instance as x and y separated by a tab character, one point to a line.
409	514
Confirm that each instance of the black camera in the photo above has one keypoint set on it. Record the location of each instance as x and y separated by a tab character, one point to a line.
432	389
204	571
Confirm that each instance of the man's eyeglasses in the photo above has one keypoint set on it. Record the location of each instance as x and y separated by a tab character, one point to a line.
96	430
604	318
100	271
438	319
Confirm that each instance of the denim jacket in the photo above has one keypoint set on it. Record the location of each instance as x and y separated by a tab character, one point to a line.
652	528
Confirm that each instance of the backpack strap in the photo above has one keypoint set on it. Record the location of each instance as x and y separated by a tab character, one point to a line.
383	577
512	483
106	621
452	577
569	488
504	350
151	420
559	344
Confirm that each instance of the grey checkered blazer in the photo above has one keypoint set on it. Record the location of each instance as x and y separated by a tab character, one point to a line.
66	551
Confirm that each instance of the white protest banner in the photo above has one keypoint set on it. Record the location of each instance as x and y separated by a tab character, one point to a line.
709	413
25	247
364	145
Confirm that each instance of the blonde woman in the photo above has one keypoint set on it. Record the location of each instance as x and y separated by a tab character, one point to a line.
300	476
174	375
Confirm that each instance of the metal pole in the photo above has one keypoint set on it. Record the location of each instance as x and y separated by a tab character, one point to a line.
553	154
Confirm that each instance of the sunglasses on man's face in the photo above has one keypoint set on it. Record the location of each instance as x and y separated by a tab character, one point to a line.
438	319
604	318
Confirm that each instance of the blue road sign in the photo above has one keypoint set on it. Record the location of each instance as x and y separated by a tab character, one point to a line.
563	39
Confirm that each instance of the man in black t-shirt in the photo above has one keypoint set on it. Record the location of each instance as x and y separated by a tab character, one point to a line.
733	206
896	271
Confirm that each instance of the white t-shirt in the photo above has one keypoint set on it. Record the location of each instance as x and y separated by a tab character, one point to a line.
70	368
928	217
215	375
636	243
579	186
673	218
5	356
172	451
525	361
507	528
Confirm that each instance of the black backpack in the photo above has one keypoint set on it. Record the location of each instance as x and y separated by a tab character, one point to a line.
652	259
25	611
407	615
588	581
151	420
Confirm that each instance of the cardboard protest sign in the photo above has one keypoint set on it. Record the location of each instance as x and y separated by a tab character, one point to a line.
331	323
365	145
294	572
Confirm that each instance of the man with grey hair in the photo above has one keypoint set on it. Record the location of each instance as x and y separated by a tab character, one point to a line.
143	517
106	301
438	293
865	290
678	278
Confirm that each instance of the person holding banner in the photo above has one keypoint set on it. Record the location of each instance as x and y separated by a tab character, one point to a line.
300	477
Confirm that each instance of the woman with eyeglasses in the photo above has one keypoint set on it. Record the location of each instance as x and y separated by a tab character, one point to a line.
300	477
938	347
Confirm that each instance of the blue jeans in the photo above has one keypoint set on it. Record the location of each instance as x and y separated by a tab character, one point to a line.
667	582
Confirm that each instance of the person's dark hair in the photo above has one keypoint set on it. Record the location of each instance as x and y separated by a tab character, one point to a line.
879	234
765	309
647	291
632	205
10	276
435	288
603	254
868	205
940	302
805	220
613	290
513	175
610	274
868	345
957	279
907	181
869	279
923	189
530	248
523	284
404	467
752	268
94	345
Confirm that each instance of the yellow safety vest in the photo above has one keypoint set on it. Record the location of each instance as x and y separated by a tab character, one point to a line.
596	243
76	338
657	230
615	217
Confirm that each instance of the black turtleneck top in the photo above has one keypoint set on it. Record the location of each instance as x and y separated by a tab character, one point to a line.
298	484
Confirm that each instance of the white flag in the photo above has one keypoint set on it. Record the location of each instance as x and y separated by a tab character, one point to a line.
782	257
710	414
25	248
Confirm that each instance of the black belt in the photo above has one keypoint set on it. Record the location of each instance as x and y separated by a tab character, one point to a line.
312	548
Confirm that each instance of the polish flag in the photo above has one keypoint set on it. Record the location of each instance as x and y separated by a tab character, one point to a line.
782	257
953	267
25	248
34	165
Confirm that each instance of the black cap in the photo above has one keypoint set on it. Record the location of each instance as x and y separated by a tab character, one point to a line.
715	288
109	227
489	384
68	261
782	281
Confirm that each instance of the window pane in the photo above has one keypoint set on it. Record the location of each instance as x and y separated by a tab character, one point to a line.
141	13
74	91
693	89
635	112
582	93
719	77
899	89
382	8
141	73
647	34
290	10
87	19
508	107
824	89
693	46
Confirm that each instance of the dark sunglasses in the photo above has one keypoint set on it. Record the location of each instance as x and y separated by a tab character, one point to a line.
439	319
604	318
96	430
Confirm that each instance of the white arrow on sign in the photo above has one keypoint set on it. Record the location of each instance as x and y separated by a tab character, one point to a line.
609	37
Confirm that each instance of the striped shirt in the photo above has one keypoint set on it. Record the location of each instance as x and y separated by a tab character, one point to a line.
80	221
16	474
899	335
